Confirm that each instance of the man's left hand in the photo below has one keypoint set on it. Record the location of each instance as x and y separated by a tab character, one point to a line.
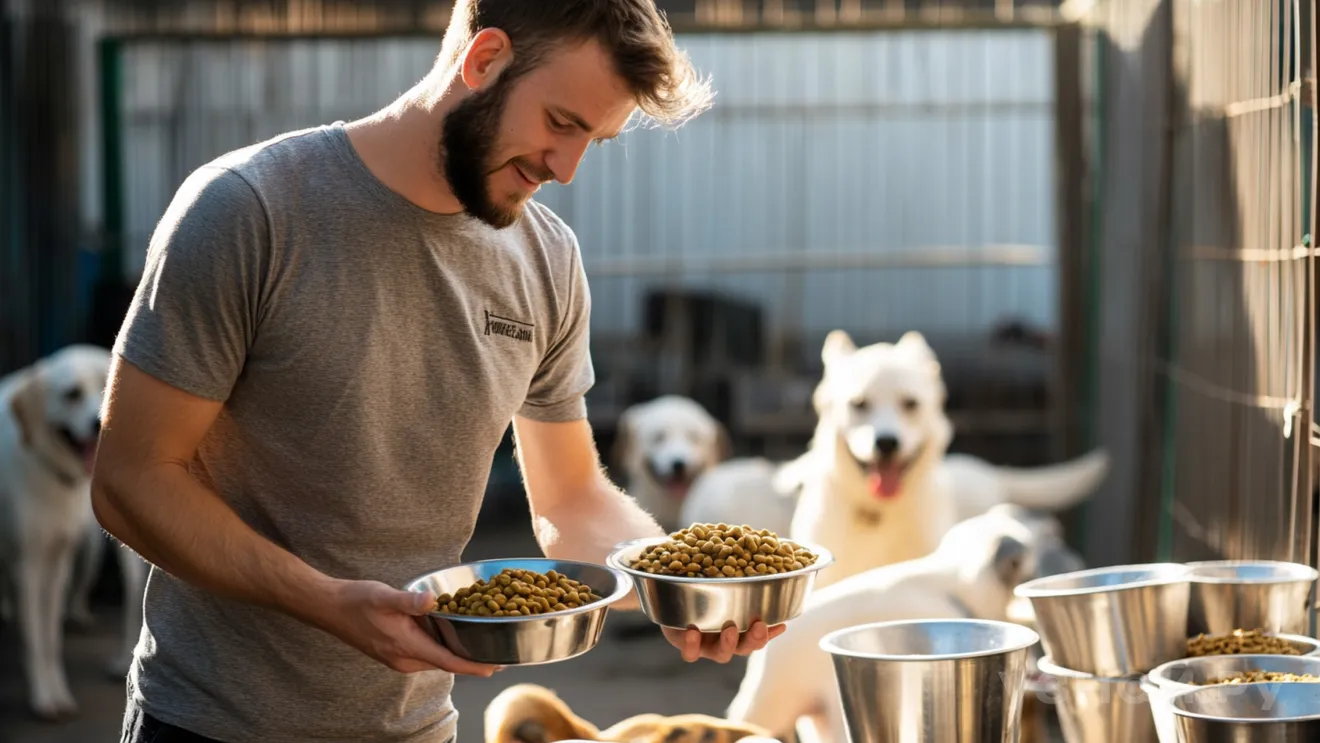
722	646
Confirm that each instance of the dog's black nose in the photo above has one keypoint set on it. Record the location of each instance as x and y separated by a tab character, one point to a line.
96	426
678	467
886	445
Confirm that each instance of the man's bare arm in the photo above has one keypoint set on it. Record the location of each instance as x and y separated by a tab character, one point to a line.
578	513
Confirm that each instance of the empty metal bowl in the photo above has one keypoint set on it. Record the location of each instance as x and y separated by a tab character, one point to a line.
523	640
1095	709
931	681
710	604
1112	622
1248	713
1249	594
1178	676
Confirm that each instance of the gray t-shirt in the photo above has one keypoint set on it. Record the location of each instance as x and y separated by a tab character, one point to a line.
371	355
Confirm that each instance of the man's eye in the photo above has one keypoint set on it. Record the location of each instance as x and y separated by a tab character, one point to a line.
559	125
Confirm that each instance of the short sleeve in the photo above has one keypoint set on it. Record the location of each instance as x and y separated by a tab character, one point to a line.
558	391
195	311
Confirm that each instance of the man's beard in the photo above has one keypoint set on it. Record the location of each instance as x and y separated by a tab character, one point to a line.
467	140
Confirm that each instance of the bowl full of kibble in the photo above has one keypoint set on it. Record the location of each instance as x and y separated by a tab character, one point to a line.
709	576
1212	667
520	611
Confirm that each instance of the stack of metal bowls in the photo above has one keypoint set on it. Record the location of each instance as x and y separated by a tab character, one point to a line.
1102	630
1269	596
1226	596
1176	677
1286	712
931	681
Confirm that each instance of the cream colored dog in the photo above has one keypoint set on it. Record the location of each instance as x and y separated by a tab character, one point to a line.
971	575
662	446
49	427
876	488
527	713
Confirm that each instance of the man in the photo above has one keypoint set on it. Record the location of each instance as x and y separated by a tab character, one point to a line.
332	333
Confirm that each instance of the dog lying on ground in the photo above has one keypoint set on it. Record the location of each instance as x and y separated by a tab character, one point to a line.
662	446
527	713
972	574
875	486
49	426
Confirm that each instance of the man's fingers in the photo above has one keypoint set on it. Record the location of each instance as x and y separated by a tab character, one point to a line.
777	630
753	639
726	645
427	650
692	645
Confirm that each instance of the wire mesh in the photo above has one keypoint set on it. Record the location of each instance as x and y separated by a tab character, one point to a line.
1239	368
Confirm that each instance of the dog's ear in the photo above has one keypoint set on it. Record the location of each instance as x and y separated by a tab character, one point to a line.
1011	561
624	437
27	405
914	340
723	442
838	344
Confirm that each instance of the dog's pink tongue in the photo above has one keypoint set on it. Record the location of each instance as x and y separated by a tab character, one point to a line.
885	480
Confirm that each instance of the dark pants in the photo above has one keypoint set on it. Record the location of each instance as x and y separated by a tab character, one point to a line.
140	727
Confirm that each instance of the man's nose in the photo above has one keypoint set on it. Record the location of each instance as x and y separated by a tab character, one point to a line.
564	160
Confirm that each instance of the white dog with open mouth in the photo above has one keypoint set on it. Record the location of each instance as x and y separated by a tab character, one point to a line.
876	488
663	445
49	425
971	575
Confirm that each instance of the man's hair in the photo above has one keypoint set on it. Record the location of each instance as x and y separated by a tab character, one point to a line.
633	33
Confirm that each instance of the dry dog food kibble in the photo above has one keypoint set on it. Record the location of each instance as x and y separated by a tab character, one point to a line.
1240	642
723	551
517	593
1256	677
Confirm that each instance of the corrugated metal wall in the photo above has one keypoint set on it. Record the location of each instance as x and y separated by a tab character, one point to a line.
875	181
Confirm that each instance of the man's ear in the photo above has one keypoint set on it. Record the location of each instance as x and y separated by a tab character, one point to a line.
487	57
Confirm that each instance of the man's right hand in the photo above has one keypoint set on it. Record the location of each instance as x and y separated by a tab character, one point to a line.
381	621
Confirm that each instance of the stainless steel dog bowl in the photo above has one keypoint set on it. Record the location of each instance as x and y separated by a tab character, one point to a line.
1249	594
931	681
1112	622
1179	676
527	640
1248	713
1095	709
710	604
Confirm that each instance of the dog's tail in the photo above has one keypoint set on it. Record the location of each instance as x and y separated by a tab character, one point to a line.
1056	487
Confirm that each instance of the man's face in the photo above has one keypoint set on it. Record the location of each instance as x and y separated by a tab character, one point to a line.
503	141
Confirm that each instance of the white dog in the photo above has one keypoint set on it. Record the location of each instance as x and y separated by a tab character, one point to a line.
663	445
972	574
875	487
49	427
753	491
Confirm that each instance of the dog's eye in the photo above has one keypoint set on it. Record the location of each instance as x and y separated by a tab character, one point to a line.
909	404
73	394
860	405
